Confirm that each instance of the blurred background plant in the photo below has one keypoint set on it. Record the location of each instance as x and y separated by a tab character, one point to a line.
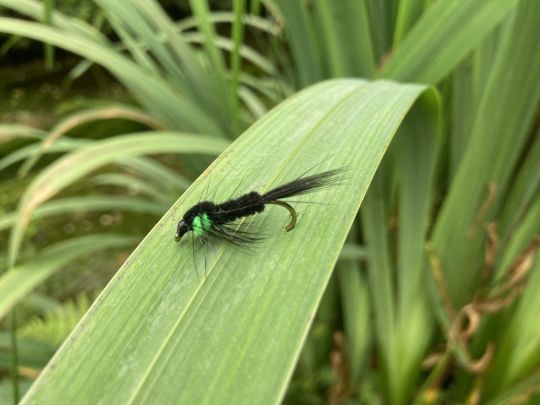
127	102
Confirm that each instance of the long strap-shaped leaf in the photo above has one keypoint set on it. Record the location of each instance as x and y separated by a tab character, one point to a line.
161	334
20	280
76	165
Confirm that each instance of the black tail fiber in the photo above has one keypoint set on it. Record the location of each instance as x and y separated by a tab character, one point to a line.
304	185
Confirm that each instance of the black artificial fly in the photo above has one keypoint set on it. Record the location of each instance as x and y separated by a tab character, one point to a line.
217	220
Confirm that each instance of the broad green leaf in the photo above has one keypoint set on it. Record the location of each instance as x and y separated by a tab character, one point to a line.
85	204
499	134
381	17
232	334
524	191
302	41
9	132
354	294
19	281
344	37
352	252
134	185
158	173
463	107
63	145
328	39
89	115
417	146
73	166
443	37
407	14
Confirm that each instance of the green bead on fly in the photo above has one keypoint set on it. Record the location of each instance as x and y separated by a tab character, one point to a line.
201	224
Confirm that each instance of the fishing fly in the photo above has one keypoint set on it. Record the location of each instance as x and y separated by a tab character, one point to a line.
217	220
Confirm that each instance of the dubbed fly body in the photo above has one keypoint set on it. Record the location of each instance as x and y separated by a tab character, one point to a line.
215	219
208	218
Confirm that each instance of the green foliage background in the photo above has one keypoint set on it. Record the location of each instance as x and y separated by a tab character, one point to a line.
414	281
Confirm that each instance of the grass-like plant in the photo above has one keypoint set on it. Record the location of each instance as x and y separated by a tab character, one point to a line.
440	207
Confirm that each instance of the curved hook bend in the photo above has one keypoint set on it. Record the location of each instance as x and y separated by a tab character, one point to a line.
291	210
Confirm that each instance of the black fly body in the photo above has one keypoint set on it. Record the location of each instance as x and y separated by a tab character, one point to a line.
208	218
